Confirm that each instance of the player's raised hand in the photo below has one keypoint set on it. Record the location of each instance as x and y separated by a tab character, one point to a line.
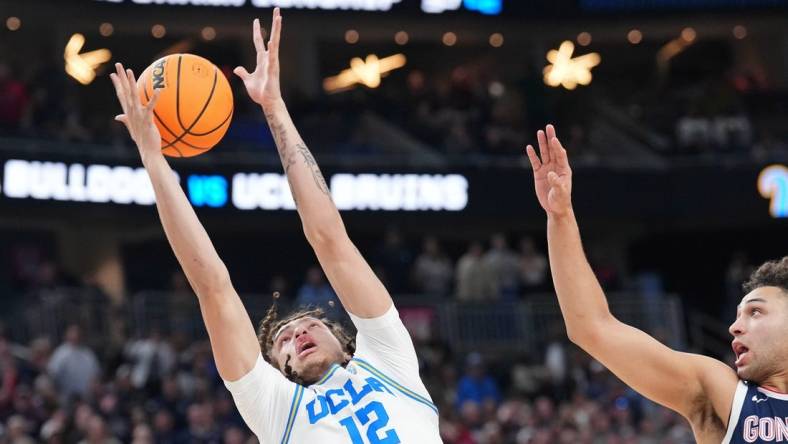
552	174
137	117
263	84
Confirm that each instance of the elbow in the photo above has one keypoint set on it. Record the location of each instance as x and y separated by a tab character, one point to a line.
581	337
589	332
212	283
324	236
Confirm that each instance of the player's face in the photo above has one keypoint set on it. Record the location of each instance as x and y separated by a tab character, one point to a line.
759	334
309	347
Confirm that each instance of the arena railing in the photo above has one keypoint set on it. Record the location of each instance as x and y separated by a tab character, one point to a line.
518	326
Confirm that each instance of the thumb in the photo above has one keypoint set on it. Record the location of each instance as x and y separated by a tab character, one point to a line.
241	72
556	182
124	119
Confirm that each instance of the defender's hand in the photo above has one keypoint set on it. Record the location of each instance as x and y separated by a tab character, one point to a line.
552	174
138	118
263	84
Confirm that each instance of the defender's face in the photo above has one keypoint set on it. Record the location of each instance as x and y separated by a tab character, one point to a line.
308	346
759	334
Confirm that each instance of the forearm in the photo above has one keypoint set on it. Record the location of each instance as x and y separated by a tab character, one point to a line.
319	215
196	254
580	296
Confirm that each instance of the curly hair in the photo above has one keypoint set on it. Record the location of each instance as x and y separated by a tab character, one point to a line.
271	323
770	274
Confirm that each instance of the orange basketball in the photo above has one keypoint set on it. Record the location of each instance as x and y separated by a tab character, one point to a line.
196	103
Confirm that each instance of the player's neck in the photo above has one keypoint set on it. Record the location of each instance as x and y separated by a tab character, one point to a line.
777	383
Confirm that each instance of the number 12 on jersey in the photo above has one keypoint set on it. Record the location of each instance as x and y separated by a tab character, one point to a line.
373	430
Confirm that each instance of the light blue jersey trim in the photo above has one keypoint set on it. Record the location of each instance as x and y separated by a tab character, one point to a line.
297	396
328	375
399	387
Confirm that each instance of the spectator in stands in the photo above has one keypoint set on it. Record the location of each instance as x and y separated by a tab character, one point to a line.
316	292
201	427
164	427
432	272
504	266
18	430
474	281
14	100
279	284
153	358
73	366
395	259
476	386
533	266
97	432
9	375
142	435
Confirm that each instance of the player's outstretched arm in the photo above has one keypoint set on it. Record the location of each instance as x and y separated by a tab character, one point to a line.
684	382
233	340
359	290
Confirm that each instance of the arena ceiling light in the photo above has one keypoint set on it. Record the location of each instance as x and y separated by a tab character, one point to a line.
366	72
566	71
82	67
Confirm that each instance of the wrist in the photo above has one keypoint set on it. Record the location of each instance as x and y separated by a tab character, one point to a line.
150	156
562	217
273	106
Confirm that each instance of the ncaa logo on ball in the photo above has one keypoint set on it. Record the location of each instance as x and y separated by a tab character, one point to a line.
157	77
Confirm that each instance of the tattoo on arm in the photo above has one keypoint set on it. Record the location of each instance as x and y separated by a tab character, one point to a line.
311	163
288	154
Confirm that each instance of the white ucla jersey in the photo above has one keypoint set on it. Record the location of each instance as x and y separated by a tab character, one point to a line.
378	398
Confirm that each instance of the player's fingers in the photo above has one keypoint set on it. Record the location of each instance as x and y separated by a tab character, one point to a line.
544	150
257	37
123	76
153	101
535	162
241	72
558	153
116	82
120	74
276	31
550	131
133	94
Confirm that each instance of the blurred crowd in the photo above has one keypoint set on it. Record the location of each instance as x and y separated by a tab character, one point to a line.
163	389
462	113
160	384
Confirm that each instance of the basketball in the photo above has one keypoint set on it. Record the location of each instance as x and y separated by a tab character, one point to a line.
196	103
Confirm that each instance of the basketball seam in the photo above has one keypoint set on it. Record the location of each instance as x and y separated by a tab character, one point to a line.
169	144
187	131
180	154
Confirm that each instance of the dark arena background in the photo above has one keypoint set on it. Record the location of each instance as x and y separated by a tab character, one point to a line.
678	140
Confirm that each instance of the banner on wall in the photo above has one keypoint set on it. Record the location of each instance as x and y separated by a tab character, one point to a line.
125	185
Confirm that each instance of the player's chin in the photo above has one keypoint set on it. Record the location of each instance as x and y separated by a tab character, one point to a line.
314	365
748	372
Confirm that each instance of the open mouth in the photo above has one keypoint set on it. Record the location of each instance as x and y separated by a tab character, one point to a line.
741	352
306	348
